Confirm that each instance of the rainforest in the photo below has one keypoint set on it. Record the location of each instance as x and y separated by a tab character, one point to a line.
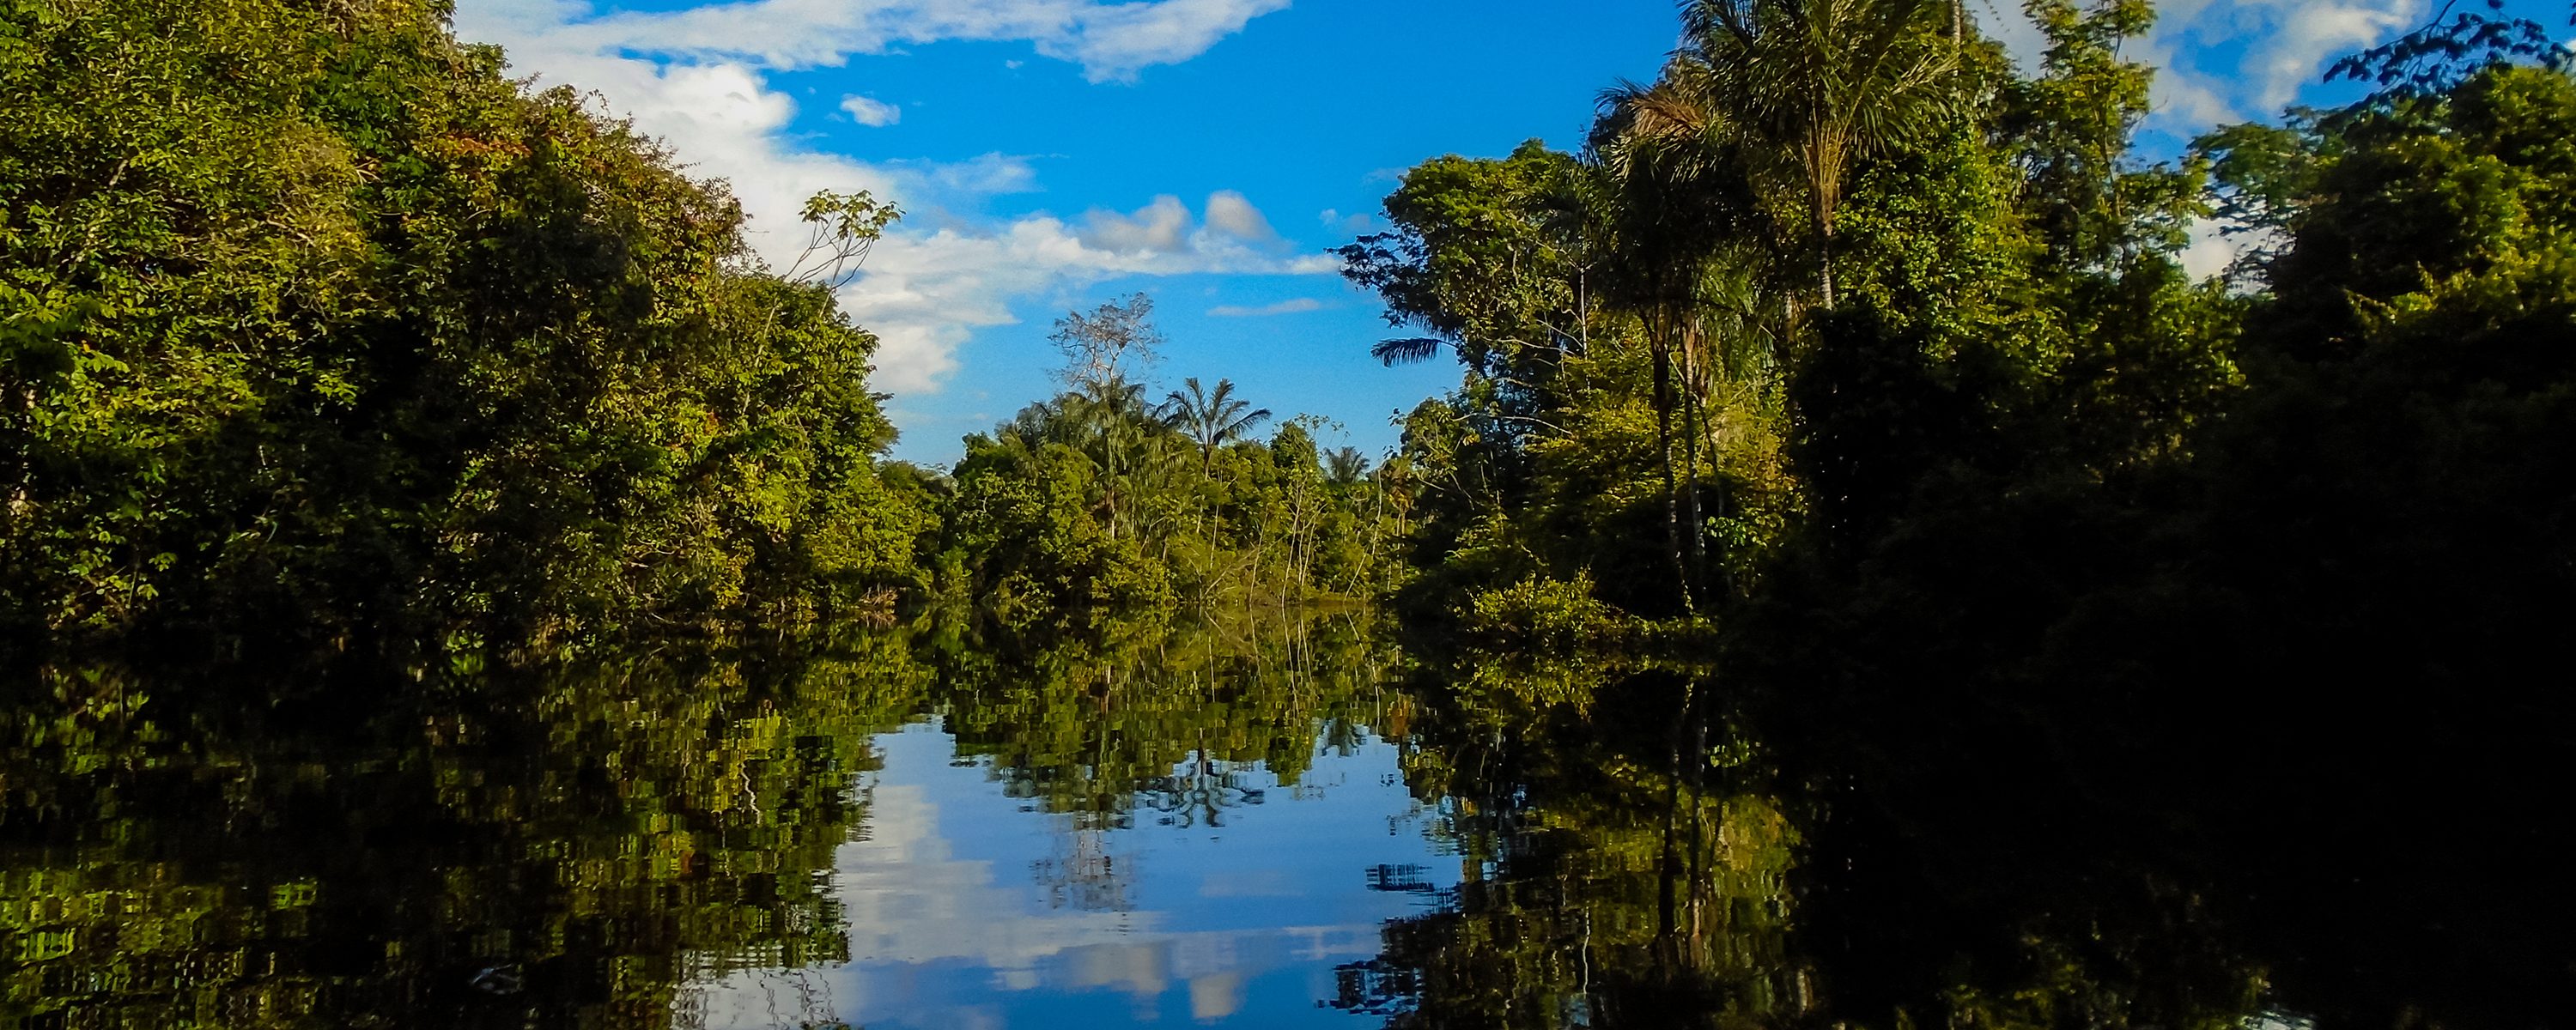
454	570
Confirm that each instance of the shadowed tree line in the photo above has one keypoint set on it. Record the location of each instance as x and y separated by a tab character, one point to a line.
2101	616
1642	846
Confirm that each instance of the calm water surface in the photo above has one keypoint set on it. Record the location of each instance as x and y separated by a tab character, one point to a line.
1231	899
1275	825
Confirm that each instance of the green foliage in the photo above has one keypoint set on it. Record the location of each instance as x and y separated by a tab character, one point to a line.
2013	527
591	844
1542	614
1092	507
316	319
550	846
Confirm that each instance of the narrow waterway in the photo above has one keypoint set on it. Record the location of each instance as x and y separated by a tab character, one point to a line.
1226	895
1285	825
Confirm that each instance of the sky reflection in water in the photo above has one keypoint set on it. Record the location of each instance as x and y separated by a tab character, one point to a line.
967	907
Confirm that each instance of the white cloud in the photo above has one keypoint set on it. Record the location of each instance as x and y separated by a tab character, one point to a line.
2010	25
2210	251
2286	45
871	111
697	79
1285	307
1162	227
1229	213
1111	41
2306	34
925	295
1360	224
986	175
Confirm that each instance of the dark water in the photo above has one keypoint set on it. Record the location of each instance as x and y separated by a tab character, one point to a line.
1268	826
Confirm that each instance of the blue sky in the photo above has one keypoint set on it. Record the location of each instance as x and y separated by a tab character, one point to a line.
1053	154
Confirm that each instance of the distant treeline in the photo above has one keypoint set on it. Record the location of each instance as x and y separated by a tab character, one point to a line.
316	325
1104	502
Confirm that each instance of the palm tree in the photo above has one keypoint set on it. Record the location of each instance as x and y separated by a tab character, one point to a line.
1764	97
1214	418
1648	196
1806	89
1345	466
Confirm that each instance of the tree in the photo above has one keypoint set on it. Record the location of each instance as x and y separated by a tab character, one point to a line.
1101	349
1214	418
314	321
1804	90
1667	208
1345	466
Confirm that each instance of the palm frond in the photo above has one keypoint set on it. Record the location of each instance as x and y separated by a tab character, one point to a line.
1406	350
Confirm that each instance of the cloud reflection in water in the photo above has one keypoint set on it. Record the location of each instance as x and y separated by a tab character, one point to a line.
967	908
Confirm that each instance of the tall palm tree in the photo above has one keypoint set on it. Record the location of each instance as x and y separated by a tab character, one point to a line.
1662	208
1808	89
1214	418
1765	99
1105	412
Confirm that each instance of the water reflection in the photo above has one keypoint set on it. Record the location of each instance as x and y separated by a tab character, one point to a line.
961	913
480	851
1279	824
769	837
1647	848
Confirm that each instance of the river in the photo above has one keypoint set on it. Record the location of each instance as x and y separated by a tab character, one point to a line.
1273	824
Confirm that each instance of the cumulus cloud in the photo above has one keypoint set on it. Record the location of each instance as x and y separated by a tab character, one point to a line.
925	295
1162	227
1285	307
698	80
1229	213
1232	227
2210	251
2303	35
1111	41
871	111
2283	46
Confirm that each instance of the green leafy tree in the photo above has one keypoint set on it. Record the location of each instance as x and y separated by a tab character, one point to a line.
318	324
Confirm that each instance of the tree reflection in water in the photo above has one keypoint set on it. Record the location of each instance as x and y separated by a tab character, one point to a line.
576	846
1645	848
1637	845
465	850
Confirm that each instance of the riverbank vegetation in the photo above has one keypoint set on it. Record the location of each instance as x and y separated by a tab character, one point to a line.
1862	576
1867	349
1105	502
601	842
318	330
1859	359
315	322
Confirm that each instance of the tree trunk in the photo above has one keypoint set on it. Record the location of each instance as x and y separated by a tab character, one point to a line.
1672	500
1692	419
1825	252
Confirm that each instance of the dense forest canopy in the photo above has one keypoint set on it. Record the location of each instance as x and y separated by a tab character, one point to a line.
1857	551
317	320
317	325
314	318
1847	317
